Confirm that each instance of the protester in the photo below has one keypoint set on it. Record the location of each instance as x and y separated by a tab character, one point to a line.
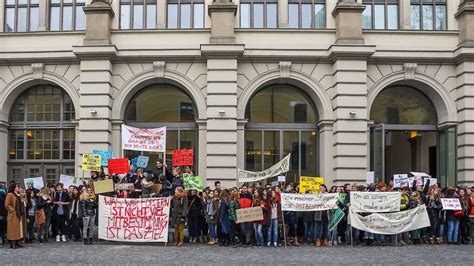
212	214
180	210
60	213
75	215
3	214
43	207
13	204
88	211
195	211
31	210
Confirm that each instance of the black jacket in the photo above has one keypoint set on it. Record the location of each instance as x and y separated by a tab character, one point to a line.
64	198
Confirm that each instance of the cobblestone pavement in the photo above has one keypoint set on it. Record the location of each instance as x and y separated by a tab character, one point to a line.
200	254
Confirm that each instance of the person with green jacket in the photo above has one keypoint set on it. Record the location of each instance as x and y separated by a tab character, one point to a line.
234	205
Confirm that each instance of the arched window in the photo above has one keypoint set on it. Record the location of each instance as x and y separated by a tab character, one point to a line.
281	119
403	105
42	135
161	105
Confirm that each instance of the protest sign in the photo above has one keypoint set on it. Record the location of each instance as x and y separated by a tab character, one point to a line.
375	201
281	178
281	167
37	182
144	139
192	182
433	181
249	214
451	204
183	157
134	220
68	181
125	186
91	162
118	166
400	181
142	161
103	186
310	183
370	177
104	155
157	188
134	162
309	202
391	223
336	217
275	183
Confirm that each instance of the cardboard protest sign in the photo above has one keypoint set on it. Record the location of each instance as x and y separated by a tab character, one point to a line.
37	182
249	214
144	139
375	201
104	155
68	181
125	186
103	186
401	180
451	204
310	183
370	177
91	162
118	166
281	167
192	182
183	157
134	220
157	188
336	218
308	202
391	223
142	161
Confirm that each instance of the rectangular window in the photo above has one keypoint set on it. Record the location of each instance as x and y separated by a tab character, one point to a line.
258	14
138	14
428	14
307	14
21	15
185	14
380	14
66	15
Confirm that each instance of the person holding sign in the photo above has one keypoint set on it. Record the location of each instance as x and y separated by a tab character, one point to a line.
453	218
291	219
272	215
258	225
464	220
179	204
434	206
321	223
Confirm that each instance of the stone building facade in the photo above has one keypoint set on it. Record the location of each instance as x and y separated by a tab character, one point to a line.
357	93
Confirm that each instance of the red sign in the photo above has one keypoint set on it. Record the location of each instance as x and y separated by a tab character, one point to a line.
183	157
118	166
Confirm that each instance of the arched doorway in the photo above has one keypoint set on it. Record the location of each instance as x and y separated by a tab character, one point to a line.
406	138
161	105
41	135
281	119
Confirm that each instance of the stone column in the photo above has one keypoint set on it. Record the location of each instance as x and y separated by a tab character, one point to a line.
465	93
283	14
325	149
222	13
405	14
348	16
161	9
43	15
4	149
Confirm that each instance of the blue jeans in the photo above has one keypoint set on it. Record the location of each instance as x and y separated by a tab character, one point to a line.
212	231
355	234
453	230
433	214
309	231
258	234
333	236
244	228
321	230
272	233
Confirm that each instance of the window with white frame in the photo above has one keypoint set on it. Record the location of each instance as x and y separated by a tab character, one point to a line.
380	14
21	15
66	15
137	14
185	14
428	14
259	14
307	14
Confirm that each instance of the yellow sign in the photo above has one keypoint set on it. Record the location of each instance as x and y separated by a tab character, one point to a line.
310	183
91	162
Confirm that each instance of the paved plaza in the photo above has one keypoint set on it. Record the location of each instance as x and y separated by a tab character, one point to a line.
199	254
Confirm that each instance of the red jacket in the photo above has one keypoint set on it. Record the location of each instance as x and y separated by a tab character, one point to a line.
245	201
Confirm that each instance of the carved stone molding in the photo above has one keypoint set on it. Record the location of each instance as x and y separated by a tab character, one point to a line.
409	69
38	69
159	68
285	68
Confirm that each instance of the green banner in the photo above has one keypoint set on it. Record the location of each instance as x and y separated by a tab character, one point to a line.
337	216
192	182
342	198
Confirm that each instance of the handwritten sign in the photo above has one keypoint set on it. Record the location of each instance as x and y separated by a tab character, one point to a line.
144	139
134	220
192	182
451	204
249	214
183	157
375	201
118	166
310	183
370	177
309	202
391	223
68	181
38	182
103	186
433	181
281	178
401	180
125	186
91	162
142	161
104	155
279	168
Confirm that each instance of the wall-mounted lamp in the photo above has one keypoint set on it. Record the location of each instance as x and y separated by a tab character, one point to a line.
352	114
93	112
221	112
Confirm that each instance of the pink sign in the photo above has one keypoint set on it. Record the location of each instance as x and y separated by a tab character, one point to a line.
144	139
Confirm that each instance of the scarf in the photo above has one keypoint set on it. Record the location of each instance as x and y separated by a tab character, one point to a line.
180	195
18	205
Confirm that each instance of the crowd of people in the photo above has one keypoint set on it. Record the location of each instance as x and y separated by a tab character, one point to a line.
56	213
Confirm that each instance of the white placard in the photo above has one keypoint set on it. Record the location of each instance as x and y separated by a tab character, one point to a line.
37	182
370	177
281	178
309	202
433	181
391	223
68	181
281	167
401	180
451	204
144	139
375	201
134	220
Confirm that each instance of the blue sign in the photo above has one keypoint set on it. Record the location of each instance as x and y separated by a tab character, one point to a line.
105	156
134	163
142	161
